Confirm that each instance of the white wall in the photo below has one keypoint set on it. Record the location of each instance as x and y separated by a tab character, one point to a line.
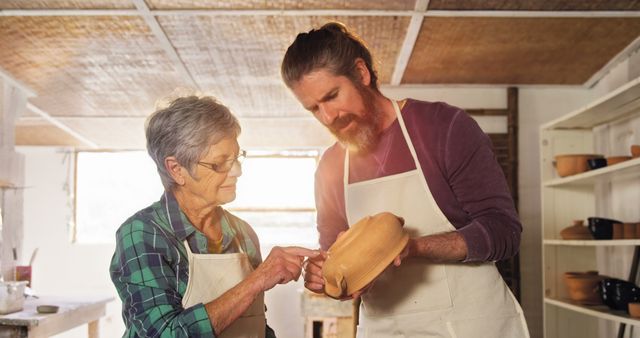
62	268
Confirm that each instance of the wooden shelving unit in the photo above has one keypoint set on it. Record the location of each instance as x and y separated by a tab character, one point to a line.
579	197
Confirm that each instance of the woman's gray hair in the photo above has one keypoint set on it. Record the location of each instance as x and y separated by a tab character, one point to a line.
186	129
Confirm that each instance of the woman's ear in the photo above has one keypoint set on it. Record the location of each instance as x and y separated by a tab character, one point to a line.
363	71
174	169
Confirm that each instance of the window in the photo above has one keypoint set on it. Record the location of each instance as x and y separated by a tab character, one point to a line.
274	194
110	187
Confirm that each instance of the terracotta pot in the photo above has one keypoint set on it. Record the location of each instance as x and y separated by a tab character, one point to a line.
618	231
634	310
576	231
635	150
629	230
572	164
584	287
617	159
362	253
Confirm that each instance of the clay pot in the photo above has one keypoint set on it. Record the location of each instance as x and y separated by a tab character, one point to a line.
617	159
572	164
584	287
634	310
618	231
576	231
629	230
362	253
635	150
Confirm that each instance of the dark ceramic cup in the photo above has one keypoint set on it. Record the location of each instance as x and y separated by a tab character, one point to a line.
608	291
601	228
625	293
596	163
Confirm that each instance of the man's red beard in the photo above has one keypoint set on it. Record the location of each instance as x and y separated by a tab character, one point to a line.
364	136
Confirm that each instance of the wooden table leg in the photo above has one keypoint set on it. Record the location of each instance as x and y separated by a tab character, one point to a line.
94	329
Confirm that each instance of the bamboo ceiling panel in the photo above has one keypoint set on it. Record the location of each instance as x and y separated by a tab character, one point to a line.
66	4
87	65
281	4
564	51
536	5
238	58
40	133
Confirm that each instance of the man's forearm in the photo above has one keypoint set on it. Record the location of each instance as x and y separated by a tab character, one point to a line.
441	248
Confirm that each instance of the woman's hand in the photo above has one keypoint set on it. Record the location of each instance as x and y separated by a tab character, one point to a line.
283	265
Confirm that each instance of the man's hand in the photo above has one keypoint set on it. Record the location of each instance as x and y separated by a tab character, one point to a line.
407	252
313	272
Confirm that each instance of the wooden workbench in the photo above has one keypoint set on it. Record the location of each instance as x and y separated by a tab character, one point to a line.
72	313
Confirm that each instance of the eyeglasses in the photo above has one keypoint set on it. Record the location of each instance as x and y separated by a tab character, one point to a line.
225	167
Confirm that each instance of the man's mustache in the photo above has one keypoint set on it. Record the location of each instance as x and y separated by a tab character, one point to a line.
342	122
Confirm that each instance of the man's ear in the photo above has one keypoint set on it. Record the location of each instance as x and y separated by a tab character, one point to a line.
174	169
363	71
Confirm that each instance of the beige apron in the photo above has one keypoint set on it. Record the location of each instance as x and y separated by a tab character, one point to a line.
211	275
422	299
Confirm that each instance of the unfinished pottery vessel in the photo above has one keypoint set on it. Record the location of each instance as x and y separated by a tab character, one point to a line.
362	253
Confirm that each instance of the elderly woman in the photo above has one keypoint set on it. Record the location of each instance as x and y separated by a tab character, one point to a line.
184	266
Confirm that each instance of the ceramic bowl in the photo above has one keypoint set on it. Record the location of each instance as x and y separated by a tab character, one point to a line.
617	159
362	253
572	164
635	150
596	163
601	228
576	231
634	309
584	287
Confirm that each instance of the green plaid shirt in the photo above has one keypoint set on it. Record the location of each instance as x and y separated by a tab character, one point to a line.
150	269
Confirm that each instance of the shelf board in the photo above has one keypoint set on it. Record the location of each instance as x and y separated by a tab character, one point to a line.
598	311
592	242
624	170
619	104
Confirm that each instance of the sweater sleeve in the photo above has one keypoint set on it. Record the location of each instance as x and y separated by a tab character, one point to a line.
478	183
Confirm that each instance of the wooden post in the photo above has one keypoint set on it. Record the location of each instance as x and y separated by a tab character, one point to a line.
13	102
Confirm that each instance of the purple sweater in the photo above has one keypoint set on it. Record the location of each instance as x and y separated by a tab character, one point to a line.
460	168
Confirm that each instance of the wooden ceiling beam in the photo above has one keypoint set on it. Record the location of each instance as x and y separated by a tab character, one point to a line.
61	125
409	41
163	39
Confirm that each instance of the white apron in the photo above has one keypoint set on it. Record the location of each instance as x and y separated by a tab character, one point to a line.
422	299
211	275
